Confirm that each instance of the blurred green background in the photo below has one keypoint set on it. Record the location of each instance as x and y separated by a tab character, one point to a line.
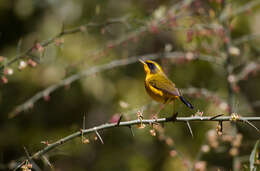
194	29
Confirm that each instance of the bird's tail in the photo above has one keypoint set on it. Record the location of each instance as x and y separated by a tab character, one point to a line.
186	102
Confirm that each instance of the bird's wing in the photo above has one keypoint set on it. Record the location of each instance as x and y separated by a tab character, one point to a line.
164	85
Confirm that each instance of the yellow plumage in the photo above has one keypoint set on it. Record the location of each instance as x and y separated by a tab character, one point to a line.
158	86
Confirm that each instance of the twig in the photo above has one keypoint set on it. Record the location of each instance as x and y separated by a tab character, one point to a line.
35	166
96	69
246	38
130	124
249	68
52	40
246	7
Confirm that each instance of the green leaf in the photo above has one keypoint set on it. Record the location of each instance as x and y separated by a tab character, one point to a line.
253	157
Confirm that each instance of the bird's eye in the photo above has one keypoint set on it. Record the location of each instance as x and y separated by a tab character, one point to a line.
151	66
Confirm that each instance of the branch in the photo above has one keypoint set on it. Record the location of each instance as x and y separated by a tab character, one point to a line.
83	28
96	69
246	7
251	67
246	38
63	32
233	118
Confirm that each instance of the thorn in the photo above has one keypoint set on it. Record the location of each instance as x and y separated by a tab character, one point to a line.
99	137
27	153
252	125
188	124
119	120
131	129
214	117
48	162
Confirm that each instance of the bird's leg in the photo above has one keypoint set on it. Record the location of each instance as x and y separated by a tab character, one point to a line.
174	115
161	107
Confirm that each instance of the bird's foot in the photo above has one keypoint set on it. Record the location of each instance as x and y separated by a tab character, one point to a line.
173	117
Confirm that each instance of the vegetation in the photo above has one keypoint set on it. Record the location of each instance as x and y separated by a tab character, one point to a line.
69	70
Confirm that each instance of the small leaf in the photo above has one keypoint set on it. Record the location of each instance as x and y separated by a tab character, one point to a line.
253	157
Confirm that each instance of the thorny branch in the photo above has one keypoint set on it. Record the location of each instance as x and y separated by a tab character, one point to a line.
49	147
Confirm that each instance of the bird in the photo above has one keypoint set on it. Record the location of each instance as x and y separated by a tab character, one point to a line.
159	86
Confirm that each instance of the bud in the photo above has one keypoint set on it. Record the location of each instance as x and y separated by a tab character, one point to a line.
168	48
200	166
173	153
153	132
32	63
39	47
234	51
8	71
233	151
189	56
223	106
59	41
86	141
83	28
29	165
4	80
123	104
231	78
205	148
22	65
154	28
46	97
169	141
114	118
2	58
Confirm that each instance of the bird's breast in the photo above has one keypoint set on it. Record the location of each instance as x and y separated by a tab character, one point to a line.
156	94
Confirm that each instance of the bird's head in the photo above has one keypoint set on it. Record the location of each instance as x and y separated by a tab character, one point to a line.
151	67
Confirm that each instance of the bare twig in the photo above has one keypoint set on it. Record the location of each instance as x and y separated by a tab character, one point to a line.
52	40
96	69
136	122
251	67
35	166
246	38
242	9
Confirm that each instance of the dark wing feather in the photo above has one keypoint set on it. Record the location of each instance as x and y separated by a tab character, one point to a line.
165	85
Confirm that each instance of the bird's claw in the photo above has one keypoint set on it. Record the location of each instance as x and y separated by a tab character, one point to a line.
173	117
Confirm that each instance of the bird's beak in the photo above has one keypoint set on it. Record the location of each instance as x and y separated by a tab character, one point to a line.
142	61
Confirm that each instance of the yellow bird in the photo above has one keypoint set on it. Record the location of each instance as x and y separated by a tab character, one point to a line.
158	85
